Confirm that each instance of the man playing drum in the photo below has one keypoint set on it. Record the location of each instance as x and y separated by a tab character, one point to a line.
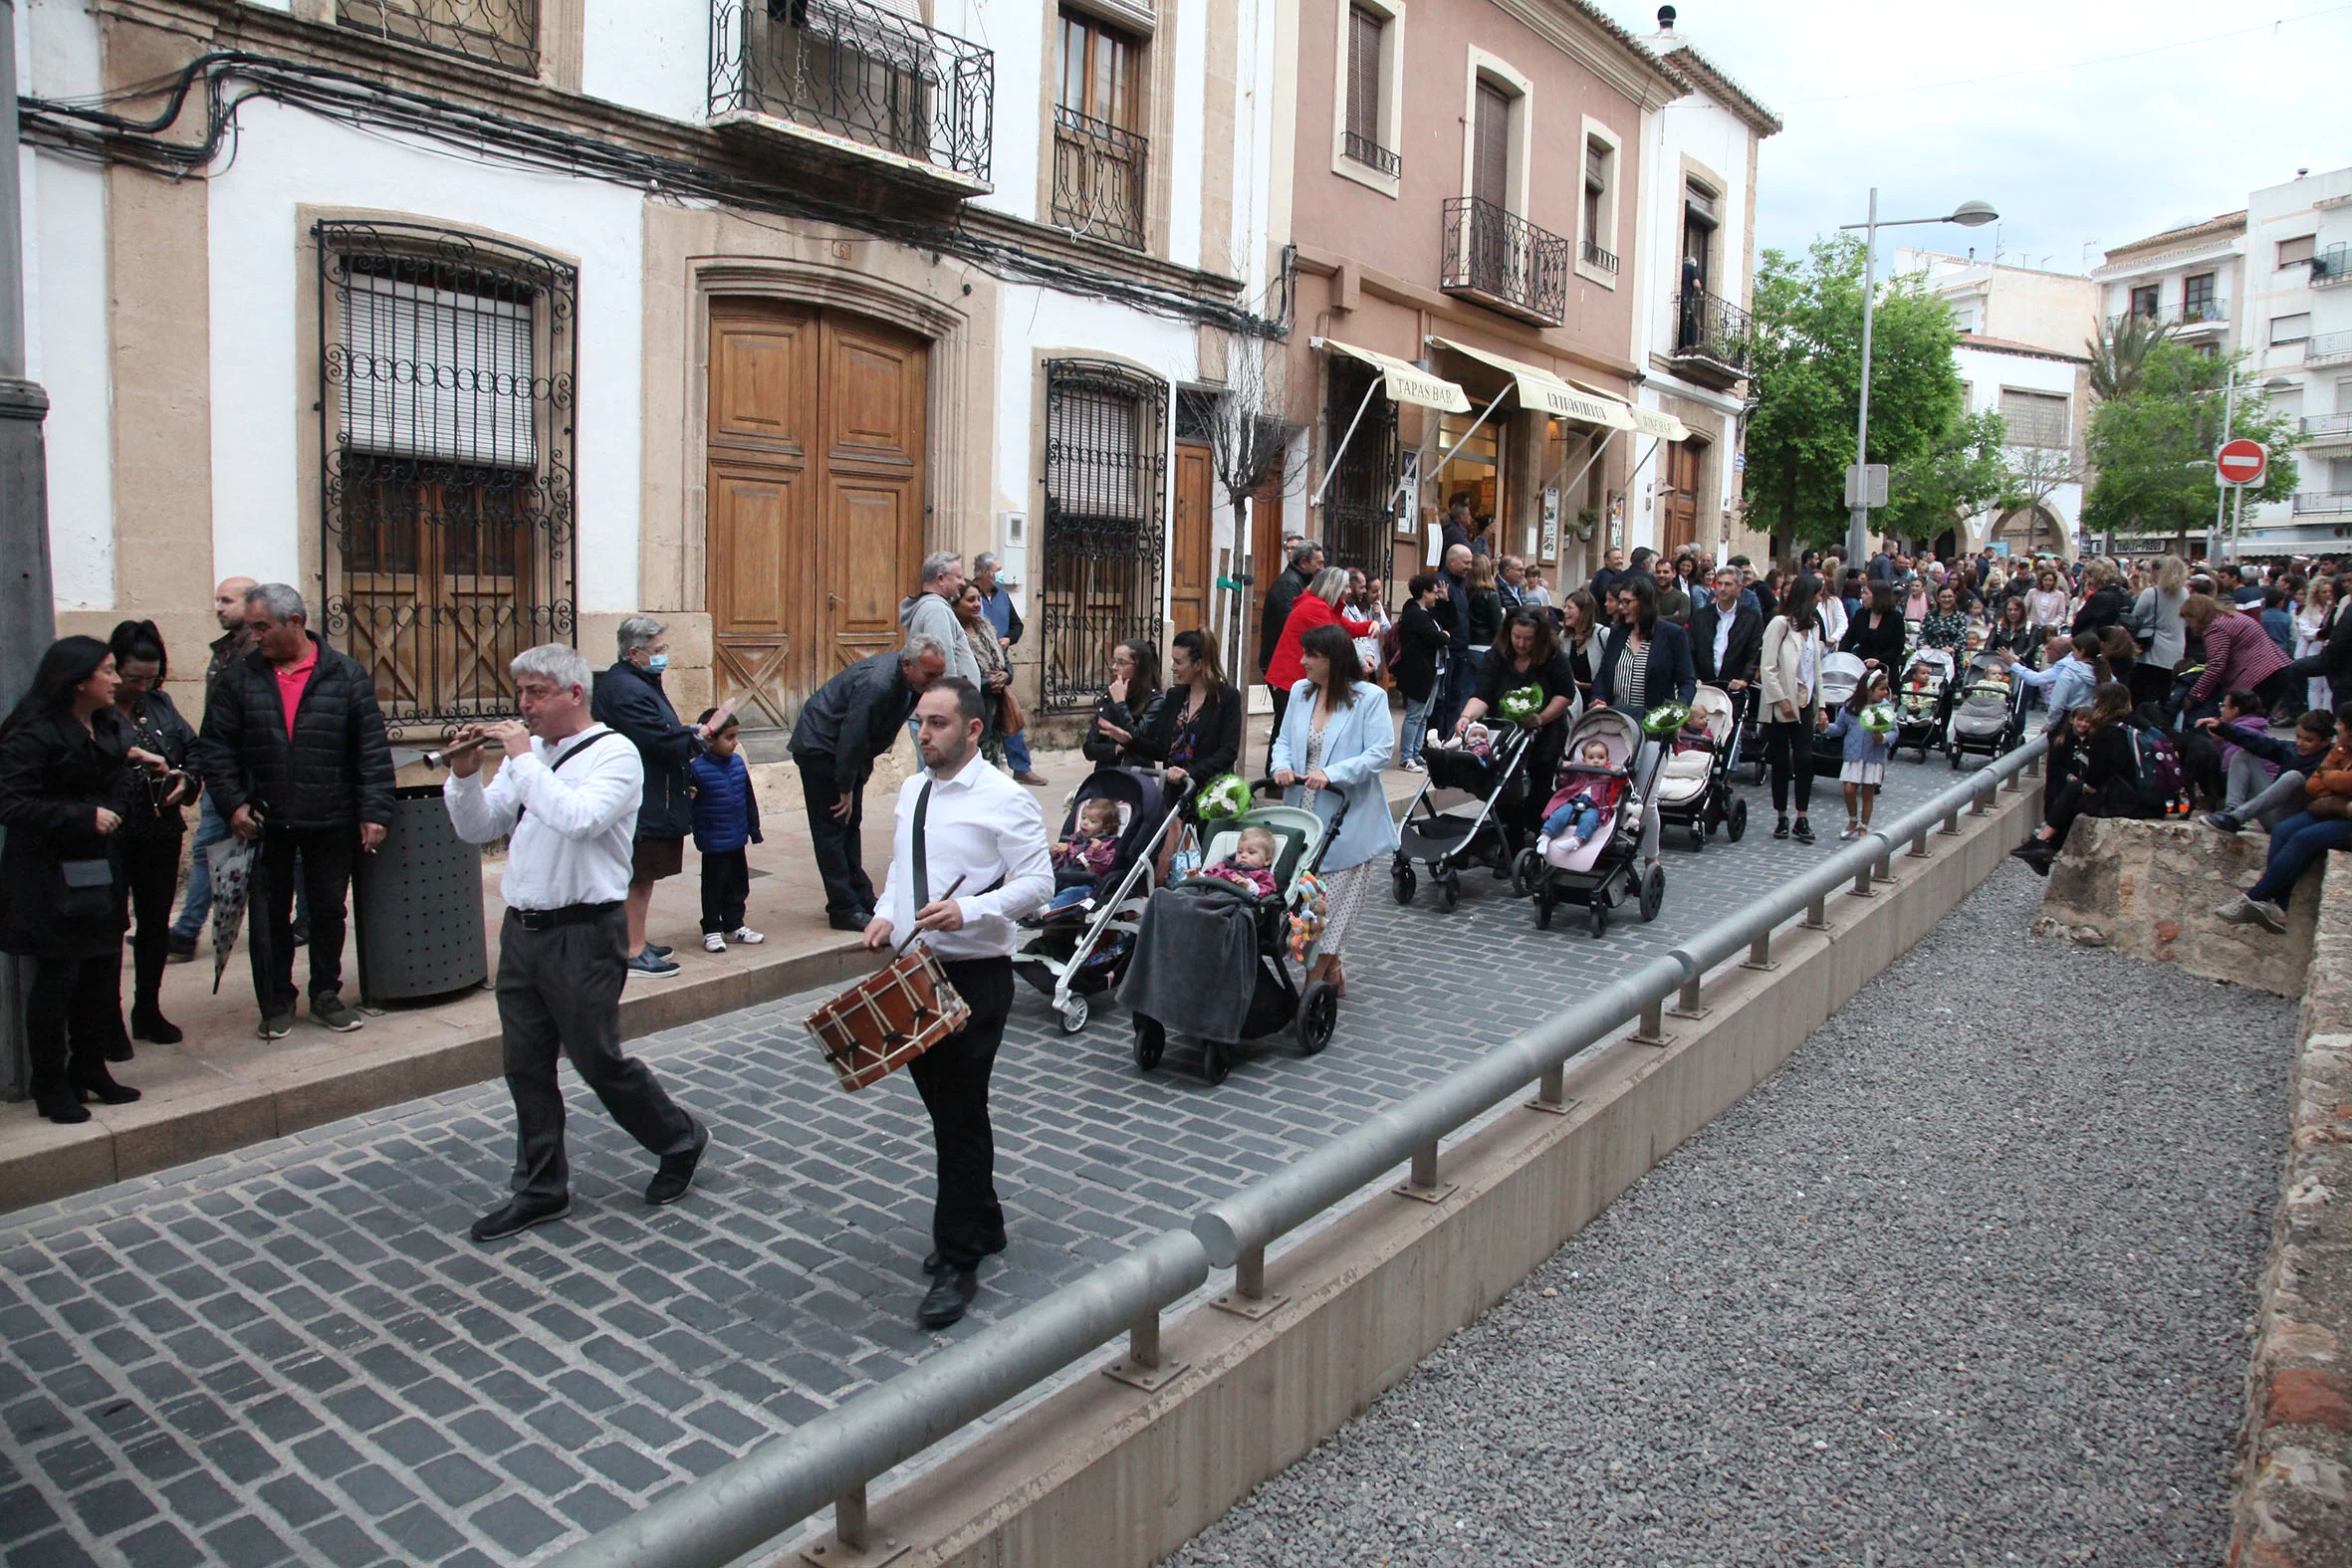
966	825
567	798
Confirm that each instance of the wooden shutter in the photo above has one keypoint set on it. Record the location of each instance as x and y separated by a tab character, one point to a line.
1490	158
1363	74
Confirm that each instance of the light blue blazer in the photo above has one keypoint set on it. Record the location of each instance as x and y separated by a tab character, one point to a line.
1356	745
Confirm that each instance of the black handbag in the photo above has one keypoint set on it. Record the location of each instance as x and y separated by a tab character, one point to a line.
89	889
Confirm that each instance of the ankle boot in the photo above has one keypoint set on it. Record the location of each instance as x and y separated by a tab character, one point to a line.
91	1080
56	1099
147	1022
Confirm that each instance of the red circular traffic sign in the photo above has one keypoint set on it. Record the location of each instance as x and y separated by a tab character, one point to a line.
2241	462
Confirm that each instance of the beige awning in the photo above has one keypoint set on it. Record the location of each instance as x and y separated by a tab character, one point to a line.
1404	381
1541	391
1646	420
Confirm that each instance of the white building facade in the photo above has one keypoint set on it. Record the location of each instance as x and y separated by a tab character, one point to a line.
2190	277
2298	336
492	325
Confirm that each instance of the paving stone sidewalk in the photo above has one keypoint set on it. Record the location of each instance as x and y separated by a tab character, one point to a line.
293	1353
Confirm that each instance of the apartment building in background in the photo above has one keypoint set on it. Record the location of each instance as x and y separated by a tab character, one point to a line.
2191	277
489	324
2298	342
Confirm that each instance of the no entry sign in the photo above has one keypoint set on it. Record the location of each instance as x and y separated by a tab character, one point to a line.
2241	462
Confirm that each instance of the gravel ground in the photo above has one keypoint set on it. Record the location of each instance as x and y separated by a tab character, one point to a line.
1967	1282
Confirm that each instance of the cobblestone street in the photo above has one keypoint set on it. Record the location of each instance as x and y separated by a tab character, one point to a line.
293	1353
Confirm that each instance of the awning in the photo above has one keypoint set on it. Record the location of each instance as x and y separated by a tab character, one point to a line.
1404	381
1646	420
1542	393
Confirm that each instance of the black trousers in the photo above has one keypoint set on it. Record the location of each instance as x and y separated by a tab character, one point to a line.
151	866
839	846
1282	705
952	1077
726	885
73	1012
1789	754
559	995
326	872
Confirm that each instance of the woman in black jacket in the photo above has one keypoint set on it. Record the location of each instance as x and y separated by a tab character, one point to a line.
628	698
1132	705
2107	602
63	752
1196	728
1876	632
2105	780
153	825
1421	645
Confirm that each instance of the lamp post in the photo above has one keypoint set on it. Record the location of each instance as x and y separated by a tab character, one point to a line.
1968	215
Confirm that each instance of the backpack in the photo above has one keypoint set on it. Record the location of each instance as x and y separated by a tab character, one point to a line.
2161	780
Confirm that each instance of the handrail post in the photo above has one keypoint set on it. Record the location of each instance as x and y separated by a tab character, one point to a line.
1817	914
1652	1031
1687	1003
1950	827
1247	1298
1551	1093
1919	845
2032	768
1862	887
1981	802
853	1544
1760	952
1422	1185
1884	871
1144	1366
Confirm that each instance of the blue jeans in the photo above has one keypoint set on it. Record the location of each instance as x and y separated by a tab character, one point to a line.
2295	845
1016	750
211	828
1572	818
1416	727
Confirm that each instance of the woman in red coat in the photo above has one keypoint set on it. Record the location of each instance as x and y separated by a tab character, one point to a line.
1317	606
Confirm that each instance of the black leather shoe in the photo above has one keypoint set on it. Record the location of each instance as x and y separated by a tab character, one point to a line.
91	1081
850	922
933	1262
676	1173
944	1304
519	1215
147	1022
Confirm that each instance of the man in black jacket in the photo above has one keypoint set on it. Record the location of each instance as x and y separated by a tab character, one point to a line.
1306	559
294	753
1727	639
849	721
630	700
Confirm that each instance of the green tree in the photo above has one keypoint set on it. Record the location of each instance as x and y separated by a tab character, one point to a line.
1807	371
2119	353
1960	475
2153	447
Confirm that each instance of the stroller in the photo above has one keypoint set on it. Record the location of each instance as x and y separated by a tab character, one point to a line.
1694	786
1921	713
1840	674
1164	986
1446	841
1606	868
1988	715
1076	950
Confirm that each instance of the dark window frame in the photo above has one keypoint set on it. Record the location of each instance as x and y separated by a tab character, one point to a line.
1106	514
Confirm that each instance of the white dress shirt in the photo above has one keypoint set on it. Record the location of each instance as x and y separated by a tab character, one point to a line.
572	844
1725	620
985	828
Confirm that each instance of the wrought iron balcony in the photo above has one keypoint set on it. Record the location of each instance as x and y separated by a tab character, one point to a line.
1371	154
2327	429
2310	503
2327	348
2331	266
503	32
1500	260
1098	179
858	74
1711	330
1594	256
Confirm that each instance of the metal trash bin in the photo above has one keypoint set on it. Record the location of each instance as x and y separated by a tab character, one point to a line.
416	905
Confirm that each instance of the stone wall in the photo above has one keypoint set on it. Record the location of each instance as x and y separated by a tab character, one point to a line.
2150	889
2294	1497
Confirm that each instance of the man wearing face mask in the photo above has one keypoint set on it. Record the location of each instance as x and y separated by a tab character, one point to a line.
630	700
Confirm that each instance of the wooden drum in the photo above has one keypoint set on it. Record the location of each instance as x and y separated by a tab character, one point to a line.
888	1018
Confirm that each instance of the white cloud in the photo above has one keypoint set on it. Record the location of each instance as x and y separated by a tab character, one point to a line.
2078	149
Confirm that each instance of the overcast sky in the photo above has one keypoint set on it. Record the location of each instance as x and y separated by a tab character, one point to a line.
2086	122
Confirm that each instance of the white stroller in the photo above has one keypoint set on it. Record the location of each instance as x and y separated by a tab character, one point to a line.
1840	674
1694	786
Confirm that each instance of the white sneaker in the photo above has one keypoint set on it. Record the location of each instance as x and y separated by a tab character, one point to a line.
2238	911
2271	917
747	936
712	941
1570	843
1543	844
1414	765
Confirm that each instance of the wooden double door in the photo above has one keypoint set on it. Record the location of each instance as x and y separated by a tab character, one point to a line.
815	497
1678	497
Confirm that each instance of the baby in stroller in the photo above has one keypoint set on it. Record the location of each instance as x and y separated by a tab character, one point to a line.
1587	798
1082	860
1251	865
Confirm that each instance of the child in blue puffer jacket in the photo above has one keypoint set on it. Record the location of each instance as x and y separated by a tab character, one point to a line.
726	818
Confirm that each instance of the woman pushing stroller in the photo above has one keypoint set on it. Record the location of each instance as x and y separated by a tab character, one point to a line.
1334	739
1528	658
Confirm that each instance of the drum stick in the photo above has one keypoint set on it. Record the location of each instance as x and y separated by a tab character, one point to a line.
910	936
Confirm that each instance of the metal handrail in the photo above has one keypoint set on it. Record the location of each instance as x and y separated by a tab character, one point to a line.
755	1499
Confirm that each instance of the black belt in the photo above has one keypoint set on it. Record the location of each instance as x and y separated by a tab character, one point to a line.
569	915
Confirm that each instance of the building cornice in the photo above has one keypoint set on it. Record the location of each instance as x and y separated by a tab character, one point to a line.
2021	351
1585	35
1745	105
2231	224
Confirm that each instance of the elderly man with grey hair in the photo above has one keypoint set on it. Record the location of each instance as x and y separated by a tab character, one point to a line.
294	756
629	697
996	602
843	726
565	799
933	614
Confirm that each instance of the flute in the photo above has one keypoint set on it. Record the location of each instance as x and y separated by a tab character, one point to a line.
440	758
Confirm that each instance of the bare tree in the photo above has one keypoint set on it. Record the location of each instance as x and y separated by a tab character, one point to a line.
1249	432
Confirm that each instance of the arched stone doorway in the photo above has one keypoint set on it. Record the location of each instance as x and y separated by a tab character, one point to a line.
2030	531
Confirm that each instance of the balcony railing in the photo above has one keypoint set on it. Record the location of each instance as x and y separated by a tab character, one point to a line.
2187	318
1500	259
854	70
1710	328
2327	348
503	32
2331	266
1371	154
2310	503
2327	427
1594	256
1098	179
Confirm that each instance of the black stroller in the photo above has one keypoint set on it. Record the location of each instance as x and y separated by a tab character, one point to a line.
1191	942
1079	949
1447	842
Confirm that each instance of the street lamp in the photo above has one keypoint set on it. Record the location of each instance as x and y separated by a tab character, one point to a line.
1968	215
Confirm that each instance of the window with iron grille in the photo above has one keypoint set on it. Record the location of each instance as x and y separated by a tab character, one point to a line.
445	430
1367	44
1359	503
504	32
2034	418
1107	431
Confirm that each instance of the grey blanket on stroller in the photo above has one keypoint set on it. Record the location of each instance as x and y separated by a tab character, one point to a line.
1195	965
